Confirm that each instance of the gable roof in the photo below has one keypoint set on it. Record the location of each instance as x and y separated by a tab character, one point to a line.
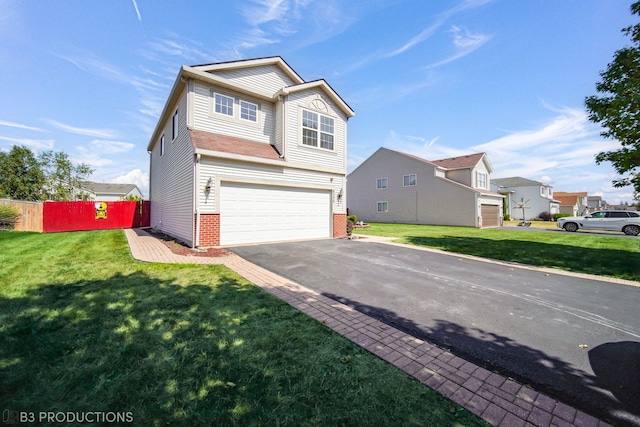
204	142
203	73
110	188
568	199
460	162
517	181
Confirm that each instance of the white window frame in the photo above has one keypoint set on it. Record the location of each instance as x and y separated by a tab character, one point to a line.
246	104
415	180
481	180
317	130
384	205
175	131
223	106
379	182
162	145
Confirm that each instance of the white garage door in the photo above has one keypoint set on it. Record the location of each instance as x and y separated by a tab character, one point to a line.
257	213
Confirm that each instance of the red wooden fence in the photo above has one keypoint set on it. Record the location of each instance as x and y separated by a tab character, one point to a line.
77	216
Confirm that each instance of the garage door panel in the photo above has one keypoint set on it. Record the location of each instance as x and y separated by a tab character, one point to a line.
256	213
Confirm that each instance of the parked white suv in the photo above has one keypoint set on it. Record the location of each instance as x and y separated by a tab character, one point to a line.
626	221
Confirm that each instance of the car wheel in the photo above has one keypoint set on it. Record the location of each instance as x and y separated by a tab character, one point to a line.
571	226
632	230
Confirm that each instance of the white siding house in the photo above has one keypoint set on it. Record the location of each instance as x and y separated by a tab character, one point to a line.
396	187
246	152
526	195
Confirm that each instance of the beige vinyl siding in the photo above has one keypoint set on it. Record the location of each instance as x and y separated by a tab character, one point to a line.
206	120
434	200
228	170
267	79
172	180
314	157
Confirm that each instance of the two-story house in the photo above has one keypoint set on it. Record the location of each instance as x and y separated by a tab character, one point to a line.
246	152
526	197
395	187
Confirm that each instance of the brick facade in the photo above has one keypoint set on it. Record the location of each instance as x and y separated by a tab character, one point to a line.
339	225
209	229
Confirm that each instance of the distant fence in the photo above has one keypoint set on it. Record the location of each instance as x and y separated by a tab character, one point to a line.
51	217
79	216
30	214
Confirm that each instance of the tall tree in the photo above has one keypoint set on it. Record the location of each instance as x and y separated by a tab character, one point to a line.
617	108
63	179
21	177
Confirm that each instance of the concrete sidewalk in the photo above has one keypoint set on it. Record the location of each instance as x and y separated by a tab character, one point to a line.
499	400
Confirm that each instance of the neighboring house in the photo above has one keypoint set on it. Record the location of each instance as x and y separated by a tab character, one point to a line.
400	188
246	152
109	192
572	203
596	203
520	193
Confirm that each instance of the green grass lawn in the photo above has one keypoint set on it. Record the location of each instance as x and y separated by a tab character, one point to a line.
579	252
83	327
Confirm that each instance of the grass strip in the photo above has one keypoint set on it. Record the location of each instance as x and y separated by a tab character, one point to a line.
598	254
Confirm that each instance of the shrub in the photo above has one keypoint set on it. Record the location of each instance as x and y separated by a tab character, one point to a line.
507	217
557	216
352	218
545	216
8	217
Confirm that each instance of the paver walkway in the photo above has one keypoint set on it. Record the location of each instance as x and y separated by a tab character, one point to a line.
499	400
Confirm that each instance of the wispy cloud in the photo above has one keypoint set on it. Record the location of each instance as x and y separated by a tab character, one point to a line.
35	144
561	150
464	42
98	133
20	126
135	6
111	147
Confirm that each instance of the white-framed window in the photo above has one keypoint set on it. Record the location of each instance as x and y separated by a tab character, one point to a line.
382	183
223	104
162	145
383	207
409	180
317	130
248	111
174	126
481	180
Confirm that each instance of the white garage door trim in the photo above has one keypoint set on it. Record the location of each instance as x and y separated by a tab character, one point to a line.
254	213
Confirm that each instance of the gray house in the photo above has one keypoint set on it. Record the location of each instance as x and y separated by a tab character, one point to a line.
521	194
400	188
109	192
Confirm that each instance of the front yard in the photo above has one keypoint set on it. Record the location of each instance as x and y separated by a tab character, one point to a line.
84	327
599	254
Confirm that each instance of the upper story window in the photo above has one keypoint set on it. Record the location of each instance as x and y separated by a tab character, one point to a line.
317	130
409	180
174	126
382	183
223	104
248	111
162	145
482	180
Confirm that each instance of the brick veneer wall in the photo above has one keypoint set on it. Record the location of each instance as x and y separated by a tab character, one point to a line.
339	225
209	229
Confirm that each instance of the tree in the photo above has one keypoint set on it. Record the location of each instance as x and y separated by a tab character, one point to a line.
63	180
21	177
617	109
50	176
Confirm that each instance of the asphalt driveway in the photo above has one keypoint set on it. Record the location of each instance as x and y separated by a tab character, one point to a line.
575	339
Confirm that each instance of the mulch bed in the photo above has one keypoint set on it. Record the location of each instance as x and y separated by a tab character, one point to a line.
180	248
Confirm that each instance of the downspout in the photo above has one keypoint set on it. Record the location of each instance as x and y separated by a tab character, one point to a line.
281	98
196	198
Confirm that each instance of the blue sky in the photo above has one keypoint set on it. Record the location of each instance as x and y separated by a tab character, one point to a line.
430	78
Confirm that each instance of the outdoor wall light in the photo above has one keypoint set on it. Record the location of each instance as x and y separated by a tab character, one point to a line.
340	195
207	187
